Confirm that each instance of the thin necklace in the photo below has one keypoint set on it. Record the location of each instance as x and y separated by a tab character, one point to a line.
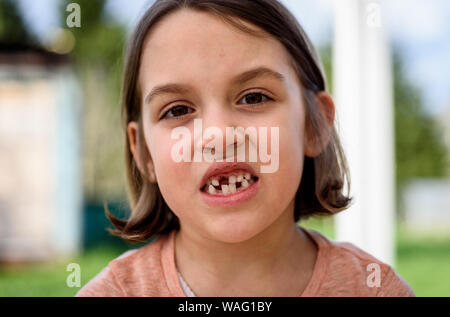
187	290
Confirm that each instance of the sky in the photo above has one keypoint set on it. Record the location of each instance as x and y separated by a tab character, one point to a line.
419	28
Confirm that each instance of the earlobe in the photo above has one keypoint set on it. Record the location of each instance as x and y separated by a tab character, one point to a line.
326	103
133	139
132	129
316	141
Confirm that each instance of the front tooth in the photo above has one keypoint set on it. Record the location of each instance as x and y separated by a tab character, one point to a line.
232	179
211	189
247	176
239	178
225	189
244	183
232	187
215	182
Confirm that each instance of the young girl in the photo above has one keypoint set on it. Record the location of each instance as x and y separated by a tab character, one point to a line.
224	227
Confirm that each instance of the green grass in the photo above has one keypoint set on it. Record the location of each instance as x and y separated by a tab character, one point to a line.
423	261
49	279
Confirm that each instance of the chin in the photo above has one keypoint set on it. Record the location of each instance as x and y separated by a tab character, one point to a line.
235	231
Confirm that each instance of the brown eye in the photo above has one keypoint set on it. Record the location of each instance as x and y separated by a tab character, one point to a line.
177	111
255	98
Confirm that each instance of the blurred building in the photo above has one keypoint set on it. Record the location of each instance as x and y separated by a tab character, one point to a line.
427	205
40	170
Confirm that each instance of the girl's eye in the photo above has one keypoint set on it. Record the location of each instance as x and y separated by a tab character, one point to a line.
251	99
256	98
177	112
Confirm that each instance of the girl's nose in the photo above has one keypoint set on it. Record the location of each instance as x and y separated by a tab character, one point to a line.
220	134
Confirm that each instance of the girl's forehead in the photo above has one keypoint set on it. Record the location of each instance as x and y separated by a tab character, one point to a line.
191	42
189	25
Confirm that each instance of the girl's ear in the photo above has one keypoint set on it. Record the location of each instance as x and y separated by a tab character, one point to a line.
316	141
133	139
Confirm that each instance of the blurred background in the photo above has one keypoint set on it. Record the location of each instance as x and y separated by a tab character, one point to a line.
61	141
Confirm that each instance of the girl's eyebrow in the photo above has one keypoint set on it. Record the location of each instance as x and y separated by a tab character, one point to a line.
176	88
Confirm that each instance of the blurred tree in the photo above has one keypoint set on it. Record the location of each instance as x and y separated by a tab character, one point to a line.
419	150
13	31
98	55
100	39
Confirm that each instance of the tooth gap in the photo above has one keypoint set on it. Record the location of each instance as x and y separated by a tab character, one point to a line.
223	180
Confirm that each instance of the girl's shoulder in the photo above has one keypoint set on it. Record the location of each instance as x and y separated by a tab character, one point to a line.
343	269
136	272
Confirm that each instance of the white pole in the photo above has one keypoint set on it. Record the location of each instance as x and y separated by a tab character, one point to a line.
67	221
363	96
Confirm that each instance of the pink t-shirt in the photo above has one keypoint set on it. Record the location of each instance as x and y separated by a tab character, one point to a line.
341	269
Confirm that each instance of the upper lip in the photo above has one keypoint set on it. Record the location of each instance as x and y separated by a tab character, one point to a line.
219	168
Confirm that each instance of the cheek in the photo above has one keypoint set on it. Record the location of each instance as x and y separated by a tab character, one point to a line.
292	142
291	158
171	176
291	138
166	169
291	162
291	154
173	181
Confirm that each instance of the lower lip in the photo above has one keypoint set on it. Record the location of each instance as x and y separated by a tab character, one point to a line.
231	199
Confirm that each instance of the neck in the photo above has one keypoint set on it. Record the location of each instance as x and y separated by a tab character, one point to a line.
212	265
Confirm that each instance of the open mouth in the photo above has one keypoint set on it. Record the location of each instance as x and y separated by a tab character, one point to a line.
229	183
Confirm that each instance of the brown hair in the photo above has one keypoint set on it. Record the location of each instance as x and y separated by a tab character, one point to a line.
321	188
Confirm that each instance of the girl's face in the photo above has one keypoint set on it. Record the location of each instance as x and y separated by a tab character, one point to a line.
205	55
